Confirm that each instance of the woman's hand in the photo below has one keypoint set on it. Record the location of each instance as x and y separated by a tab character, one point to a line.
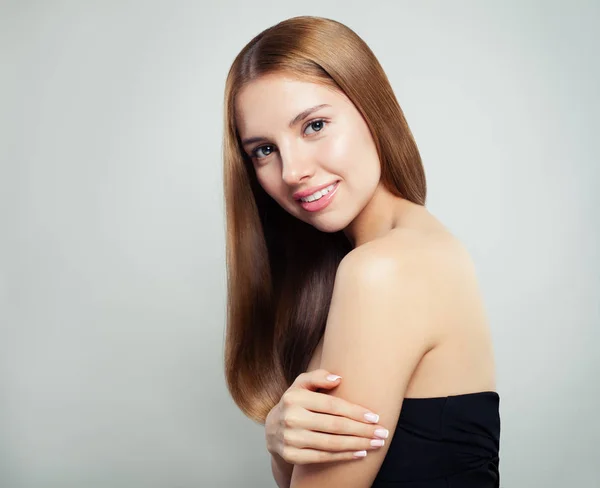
310	427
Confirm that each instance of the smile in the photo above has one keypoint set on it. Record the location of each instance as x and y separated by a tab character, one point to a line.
319	199
318	194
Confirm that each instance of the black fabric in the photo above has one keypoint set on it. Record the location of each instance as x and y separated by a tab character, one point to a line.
445	442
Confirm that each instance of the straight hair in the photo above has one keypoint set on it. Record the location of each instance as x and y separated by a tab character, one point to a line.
280	270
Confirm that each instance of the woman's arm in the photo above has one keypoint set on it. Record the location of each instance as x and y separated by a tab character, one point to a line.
383	319
282	471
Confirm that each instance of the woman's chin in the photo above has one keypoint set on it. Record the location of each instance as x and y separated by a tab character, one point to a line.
325	226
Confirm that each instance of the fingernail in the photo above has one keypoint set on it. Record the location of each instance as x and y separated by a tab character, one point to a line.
383	433
377	442
372	417
333	377
360	454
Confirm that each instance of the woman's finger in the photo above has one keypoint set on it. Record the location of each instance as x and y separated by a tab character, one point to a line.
319	441
293	455
332	424
313	380
321	402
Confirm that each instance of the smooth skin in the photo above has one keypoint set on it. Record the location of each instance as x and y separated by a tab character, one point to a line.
299	428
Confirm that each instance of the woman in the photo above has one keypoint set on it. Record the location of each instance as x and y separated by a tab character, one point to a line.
335	265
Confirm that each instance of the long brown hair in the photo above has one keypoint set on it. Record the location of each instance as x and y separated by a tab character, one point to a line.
280	270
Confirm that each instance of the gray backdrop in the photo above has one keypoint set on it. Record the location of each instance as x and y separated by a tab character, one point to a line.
112	280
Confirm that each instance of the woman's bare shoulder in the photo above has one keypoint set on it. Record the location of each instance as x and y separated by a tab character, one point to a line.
432	262
413	245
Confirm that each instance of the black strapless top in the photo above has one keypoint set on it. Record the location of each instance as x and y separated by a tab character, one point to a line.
445	442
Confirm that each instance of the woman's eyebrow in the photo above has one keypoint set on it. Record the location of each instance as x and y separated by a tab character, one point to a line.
301	116
298	118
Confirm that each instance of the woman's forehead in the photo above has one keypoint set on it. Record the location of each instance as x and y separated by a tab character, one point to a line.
278	99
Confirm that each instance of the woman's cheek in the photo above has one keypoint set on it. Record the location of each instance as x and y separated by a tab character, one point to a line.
336	151
267	182
271	183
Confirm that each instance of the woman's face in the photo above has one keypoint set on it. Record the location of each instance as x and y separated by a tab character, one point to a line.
303	137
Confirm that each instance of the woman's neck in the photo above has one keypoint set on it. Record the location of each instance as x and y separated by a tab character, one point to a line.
384	212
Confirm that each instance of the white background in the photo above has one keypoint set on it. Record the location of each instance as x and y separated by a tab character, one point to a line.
112	272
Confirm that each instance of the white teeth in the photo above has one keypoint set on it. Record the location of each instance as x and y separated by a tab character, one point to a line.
318	194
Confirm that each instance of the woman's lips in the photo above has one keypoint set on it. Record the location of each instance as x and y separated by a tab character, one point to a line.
322	202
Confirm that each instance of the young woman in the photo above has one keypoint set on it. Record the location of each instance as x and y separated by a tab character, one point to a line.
335	265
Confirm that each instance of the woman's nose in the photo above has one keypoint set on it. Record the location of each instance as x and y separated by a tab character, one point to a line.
296	167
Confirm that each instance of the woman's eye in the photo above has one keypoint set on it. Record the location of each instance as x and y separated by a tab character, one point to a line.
316	125
262	148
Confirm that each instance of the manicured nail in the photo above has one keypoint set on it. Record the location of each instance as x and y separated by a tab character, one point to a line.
377	442
333	377
372	417
360	454
383	433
